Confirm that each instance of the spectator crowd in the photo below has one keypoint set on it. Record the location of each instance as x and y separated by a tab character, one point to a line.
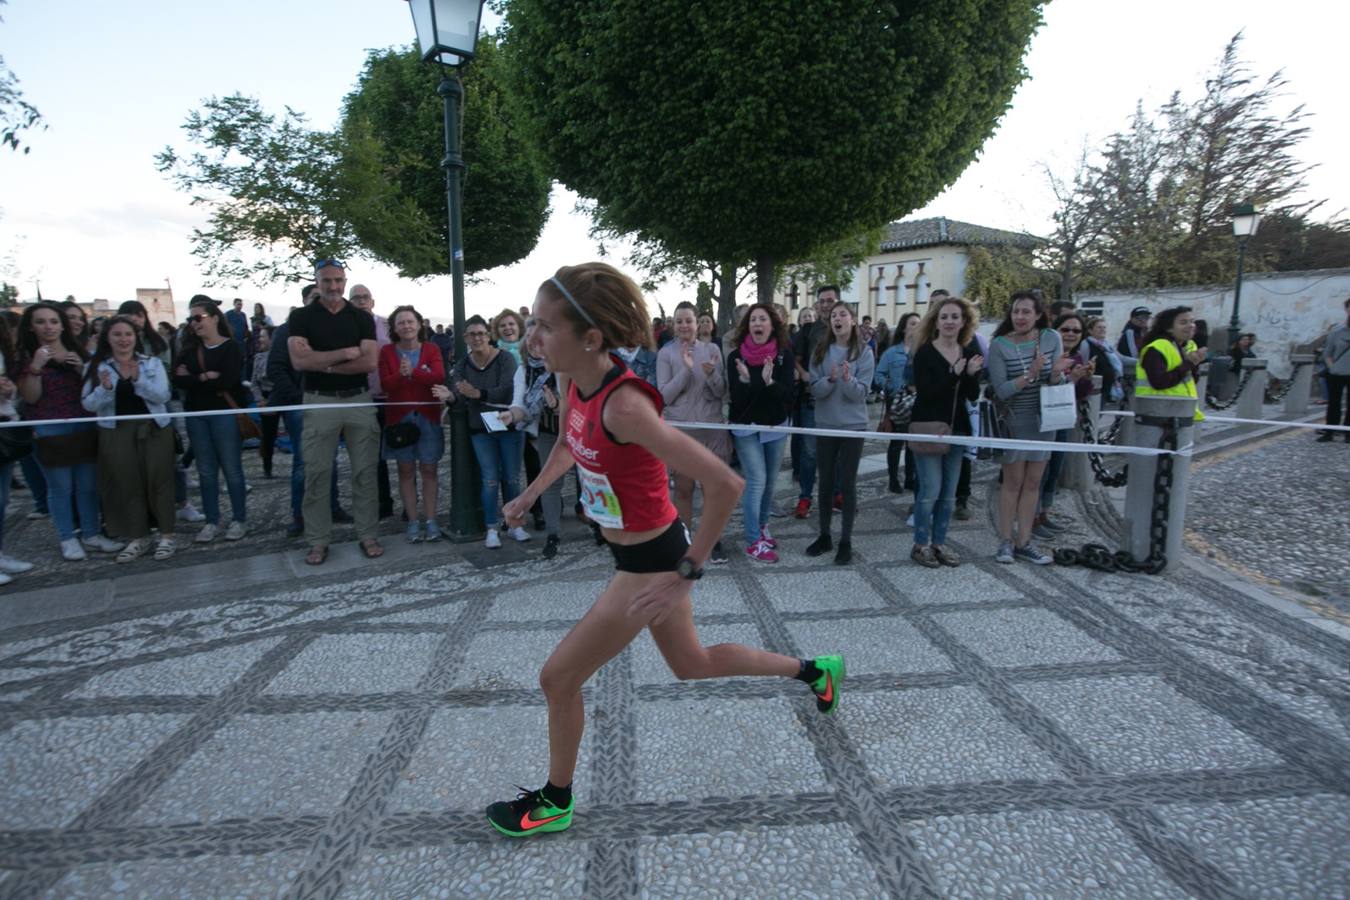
203	394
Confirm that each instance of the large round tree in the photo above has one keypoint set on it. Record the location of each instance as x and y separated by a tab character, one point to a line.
738	130
393	145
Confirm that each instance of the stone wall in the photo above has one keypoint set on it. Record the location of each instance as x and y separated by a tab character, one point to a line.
1283	309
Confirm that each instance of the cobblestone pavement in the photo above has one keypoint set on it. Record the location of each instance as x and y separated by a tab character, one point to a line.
1279	508
1004	730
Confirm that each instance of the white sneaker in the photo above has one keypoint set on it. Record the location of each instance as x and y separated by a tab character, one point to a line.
189	513
72	551
135	550
519	534
11	566
165	548
492	542
235	531
206	535
103	544
37	514
4	579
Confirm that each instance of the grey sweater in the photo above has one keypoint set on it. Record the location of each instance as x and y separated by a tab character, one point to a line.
1008	361
842	404
1337	351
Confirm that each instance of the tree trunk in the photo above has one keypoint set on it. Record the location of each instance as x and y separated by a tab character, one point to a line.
764	279
726	297
1066	278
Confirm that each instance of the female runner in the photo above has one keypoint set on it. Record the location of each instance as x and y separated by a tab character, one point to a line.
621	447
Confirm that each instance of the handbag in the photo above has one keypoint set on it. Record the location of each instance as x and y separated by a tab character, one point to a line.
993	425
15	443
901	408
401	434
248	429
938	429
1059	407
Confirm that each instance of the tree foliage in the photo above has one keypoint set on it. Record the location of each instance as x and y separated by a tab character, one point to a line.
742	131
993	273
17	115
393	143
281	194
271	185
1152	207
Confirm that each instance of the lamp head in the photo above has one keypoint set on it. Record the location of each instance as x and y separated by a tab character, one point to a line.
447	30
1246	218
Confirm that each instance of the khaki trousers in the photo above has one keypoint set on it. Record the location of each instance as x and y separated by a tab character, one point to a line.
356	425
135	478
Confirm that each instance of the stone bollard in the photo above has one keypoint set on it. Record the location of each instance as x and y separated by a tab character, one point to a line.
1254	394
1077	472
1202	382
1135	537
1300	392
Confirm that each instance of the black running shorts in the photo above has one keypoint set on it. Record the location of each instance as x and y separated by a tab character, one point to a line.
660	554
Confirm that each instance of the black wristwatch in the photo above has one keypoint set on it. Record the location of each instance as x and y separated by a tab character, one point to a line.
688	570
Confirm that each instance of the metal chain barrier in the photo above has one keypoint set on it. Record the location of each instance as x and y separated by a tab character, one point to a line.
1275	395
1099	470
1100	557
1231	401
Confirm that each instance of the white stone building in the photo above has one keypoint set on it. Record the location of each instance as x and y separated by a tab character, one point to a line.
915	258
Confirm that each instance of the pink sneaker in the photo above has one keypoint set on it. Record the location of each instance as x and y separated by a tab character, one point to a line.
760	551
766	538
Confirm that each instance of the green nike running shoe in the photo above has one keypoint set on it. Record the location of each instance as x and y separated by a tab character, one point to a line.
529	814
826	687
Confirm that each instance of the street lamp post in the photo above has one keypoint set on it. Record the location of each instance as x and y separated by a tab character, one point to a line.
1245	221
447	34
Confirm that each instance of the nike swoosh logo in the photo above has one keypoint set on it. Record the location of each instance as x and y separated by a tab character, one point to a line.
828	694
528	824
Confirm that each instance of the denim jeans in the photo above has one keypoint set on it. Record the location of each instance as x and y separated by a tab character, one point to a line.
938	475
759	465
499	456
65	482
37	482
6	479
803	451
218	447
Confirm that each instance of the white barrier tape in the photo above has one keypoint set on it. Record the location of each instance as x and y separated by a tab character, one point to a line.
1124	413
183	414
961	440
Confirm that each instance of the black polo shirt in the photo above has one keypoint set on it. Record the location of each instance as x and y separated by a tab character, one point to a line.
326	331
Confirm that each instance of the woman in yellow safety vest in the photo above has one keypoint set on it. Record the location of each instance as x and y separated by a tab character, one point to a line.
1170	361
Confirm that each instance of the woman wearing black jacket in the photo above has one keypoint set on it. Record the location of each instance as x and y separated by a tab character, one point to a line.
946	372
209	368
760	376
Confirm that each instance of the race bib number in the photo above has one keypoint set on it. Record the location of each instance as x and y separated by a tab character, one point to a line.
599	500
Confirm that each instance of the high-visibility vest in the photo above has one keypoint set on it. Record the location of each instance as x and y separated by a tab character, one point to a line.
1186	388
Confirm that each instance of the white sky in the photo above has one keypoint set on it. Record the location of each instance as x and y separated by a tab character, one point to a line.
87	214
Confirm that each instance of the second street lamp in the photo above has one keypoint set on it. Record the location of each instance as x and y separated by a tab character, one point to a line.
1245	221
447	33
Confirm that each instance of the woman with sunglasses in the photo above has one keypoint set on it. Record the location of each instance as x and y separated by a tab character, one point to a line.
51	363
485	381
209	371
1072	330
622	448
135	456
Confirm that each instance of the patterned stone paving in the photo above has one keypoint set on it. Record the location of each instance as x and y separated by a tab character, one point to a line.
1005	731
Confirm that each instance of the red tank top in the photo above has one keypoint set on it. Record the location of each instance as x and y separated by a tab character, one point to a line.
623	486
